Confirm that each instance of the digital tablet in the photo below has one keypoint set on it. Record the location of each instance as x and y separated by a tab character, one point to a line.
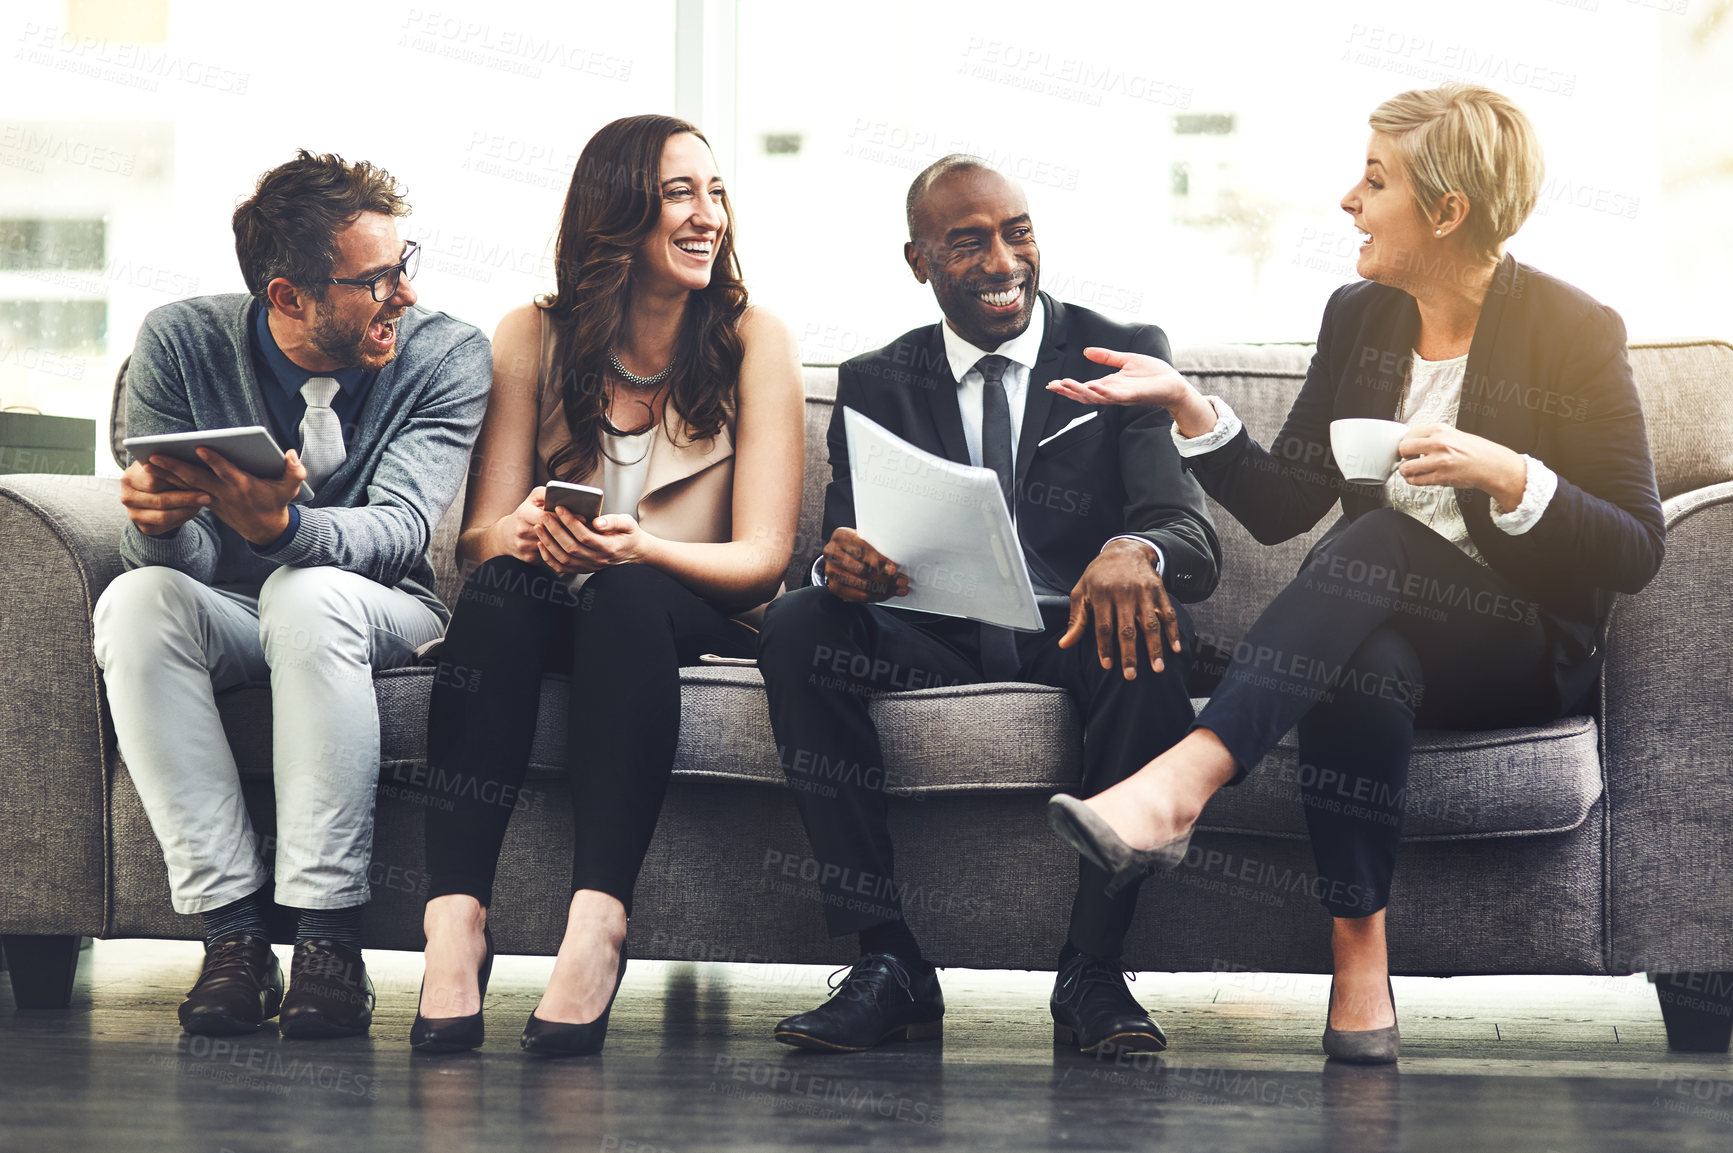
251	449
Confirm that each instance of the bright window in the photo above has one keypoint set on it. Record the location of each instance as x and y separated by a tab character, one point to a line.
1183	161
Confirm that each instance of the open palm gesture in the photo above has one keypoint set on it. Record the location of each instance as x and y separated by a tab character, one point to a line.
1140	379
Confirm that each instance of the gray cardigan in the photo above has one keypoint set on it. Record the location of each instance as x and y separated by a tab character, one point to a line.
408	447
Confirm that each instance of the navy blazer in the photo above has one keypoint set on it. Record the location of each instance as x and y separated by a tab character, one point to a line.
1116	473
1547	375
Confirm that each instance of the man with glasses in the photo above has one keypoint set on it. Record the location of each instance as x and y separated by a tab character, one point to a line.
235	579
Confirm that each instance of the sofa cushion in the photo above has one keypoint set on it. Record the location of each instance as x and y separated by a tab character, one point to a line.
1260	382
1683	385
1687	391
1462	786
1013	738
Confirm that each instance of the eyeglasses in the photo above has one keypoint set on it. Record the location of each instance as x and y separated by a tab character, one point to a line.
384	284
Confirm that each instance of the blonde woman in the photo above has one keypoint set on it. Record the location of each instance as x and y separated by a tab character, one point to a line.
1470	589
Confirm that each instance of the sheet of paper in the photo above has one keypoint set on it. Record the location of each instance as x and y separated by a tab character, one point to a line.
944	523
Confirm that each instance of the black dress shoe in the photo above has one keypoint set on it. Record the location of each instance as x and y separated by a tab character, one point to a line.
453	1034
879	1000
239	988
330	994
560	1039
1093	1010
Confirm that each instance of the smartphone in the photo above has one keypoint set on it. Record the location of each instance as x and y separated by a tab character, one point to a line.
585	501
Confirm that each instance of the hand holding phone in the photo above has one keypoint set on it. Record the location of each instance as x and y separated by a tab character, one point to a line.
581	500
517	533
570	543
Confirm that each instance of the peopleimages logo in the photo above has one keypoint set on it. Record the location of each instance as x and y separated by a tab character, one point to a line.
1416	593
807	1092
1426	58
141	66
1074	78
1250	871
237	1063
41	147
872	891
517	51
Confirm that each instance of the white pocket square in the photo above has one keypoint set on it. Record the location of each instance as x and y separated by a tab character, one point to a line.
1084	419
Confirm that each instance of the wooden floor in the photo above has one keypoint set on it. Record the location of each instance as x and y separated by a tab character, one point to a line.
1565	1064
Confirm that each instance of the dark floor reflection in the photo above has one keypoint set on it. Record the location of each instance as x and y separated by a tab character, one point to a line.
899	1084
690	1064
692	1005
1362	1107
447	1095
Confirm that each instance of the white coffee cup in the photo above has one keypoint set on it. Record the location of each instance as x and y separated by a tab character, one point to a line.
1366	449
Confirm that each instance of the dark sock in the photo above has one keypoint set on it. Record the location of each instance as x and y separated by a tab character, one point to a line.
340	925
893	937
235	918
1110	960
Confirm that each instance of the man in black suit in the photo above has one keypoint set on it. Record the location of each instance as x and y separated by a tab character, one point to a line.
1114	532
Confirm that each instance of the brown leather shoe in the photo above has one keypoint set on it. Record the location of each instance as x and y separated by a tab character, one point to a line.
330	994
239	988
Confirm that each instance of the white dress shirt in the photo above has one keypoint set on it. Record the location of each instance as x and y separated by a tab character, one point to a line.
1022	351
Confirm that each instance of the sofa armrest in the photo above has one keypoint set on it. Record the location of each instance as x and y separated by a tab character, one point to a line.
61	547
1667	750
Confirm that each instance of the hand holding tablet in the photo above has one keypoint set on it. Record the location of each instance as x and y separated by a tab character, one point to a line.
252	449
238	473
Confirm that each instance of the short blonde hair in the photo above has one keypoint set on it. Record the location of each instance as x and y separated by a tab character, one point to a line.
1473	141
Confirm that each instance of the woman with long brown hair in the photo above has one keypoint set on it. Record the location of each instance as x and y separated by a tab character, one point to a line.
648	375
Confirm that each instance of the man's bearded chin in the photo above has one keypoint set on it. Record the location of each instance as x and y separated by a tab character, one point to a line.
347	346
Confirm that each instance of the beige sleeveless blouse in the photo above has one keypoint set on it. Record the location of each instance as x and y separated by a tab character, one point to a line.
689	488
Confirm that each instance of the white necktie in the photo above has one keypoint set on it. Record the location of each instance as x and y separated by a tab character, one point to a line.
321	432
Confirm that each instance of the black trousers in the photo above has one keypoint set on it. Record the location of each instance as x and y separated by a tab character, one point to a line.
621	638
822	659
1389	628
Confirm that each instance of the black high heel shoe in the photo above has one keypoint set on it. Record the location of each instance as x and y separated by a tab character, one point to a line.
453	1034
1082	828
1362	1046
558	1039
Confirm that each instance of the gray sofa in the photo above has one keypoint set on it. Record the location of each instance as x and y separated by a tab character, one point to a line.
1597	845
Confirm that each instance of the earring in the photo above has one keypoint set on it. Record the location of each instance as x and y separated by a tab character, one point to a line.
1438	232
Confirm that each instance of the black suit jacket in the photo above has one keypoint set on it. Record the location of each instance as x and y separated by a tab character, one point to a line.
1117	473
1547	375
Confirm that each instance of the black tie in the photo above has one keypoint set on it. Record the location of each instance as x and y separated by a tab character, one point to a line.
996	423
999	660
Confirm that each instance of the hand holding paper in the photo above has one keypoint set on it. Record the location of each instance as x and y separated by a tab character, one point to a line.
945	526
856	572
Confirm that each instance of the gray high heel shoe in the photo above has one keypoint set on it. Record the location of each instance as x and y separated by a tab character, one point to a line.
1362	1046
1079	826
